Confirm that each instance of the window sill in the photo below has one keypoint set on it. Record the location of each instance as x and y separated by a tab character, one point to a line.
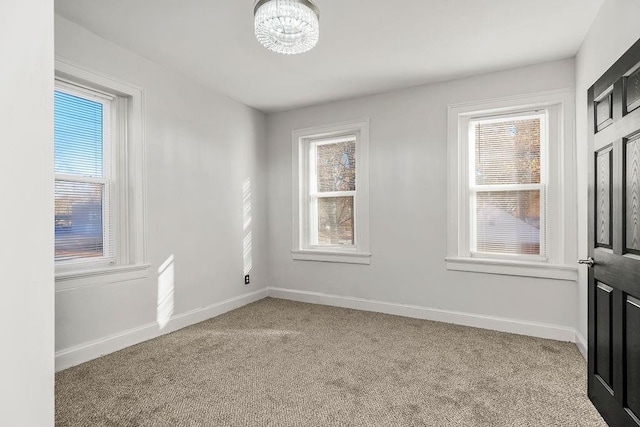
74	279
331	256
513	268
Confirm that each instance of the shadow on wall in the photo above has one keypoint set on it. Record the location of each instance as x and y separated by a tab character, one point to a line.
166	284
246	230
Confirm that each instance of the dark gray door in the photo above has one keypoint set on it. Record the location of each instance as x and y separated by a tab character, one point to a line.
614	235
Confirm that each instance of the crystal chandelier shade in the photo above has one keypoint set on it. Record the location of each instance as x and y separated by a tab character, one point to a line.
287	26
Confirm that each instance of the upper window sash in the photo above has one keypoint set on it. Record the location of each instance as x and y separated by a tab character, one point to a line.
541	114
312	168
108	112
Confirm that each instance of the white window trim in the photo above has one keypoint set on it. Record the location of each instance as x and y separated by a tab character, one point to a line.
561	197
130	238
301	247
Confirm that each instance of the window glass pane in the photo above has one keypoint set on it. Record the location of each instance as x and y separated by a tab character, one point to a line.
77	135
508	222
507	152
335	221
336	166
78	220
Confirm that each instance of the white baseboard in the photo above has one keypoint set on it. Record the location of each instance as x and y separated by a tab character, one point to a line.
541	330
72	356
581	343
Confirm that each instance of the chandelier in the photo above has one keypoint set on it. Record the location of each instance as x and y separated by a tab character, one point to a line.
287	26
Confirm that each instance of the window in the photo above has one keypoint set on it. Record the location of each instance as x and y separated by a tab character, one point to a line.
99	179
82	140
507	185
331	206
332	192
512	187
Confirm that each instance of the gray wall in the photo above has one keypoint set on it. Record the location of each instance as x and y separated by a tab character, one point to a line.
26	188
408	152
201	148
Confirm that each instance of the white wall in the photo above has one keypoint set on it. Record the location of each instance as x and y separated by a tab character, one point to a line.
26	189
201	147
408	149
614	30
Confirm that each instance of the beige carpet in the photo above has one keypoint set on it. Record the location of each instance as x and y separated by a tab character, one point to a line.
281	363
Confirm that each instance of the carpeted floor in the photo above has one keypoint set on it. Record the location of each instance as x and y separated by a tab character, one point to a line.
282	363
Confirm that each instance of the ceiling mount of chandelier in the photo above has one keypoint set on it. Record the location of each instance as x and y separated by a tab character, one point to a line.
287	26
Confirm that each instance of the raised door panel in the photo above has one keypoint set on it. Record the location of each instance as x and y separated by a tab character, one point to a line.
632	195
604	111
604	193
632	357
632	90
604	366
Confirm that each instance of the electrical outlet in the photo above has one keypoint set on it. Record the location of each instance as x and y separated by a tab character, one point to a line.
246	279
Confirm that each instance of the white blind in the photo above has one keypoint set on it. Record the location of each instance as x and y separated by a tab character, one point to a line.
507	185
82	175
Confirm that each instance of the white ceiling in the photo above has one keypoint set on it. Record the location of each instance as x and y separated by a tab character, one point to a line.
366	46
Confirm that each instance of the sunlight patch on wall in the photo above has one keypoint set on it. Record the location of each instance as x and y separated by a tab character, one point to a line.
246	253
166	284
246	230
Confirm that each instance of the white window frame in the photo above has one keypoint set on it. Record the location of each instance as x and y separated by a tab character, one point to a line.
126	178
304	143
473	189
558	216
108	110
